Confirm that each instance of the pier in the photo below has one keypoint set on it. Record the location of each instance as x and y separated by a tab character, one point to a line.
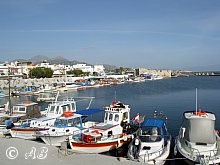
191	73
207	73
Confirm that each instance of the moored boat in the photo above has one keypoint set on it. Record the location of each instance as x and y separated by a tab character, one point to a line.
24	110
153	141
105	136
47	119
67	124
198	140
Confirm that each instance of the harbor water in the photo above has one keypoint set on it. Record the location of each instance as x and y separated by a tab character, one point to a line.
171	96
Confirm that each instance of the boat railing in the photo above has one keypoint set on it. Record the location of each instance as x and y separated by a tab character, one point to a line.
147	155
79	135
202	156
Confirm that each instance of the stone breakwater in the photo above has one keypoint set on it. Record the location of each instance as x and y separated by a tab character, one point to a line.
19	82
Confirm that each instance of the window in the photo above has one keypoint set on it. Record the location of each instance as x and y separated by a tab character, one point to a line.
76	122
60	123
22	109
125	115
109	133
15	109
110	116
73	106
116	117
70	123
56	110
52	108
64	108
106	116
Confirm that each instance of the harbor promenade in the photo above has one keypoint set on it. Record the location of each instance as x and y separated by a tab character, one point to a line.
18	151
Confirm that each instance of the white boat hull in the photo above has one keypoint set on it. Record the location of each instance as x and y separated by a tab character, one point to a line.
24	133
195	157
54	140
158	158
28	135
99	146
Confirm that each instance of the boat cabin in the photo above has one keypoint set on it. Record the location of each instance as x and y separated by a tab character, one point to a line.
152	130
59	108
46	97
68	120
26	110
53	111
117	113
29	108
194	126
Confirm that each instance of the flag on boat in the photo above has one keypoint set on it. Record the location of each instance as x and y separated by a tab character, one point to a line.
136	119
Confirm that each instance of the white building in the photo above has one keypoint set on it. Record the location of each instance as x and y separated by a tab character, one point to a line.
99	69
160	72
4	69
16	68
21	68
83	67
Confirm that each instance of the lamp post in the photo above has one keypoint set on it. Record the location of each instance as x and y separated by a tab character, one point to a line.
9	91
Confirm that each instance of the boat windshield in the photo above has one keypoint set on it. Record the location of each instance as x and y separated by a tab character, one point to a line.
60	123
53	109
150	134
66	108
75	122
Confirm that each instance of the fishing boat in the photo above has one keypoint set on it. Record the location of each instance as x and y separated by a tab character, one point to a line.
21	111
115	131
67	124
47	120
46	88
152	143
46	97
198	141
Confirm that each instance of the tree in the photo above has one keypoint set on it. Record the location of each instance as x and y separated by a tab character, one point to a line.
40	73
76	72
48	72
120	70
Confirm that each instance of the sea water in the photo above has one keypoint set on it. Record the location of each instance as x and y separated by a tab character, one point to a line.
171	96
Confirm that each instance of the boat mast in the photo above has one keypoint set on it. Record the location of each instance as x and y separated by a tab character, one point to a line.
115	95
196	102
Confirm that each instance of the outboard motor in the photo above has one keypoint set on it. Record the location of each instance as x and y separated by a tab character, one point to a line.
9	124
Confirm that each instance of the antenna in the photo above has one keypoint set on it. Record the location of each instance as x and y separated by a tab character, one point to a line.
115	95
196	102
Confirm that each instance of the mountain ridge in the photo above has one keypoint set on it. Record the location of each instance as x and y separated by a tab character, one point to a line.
60	60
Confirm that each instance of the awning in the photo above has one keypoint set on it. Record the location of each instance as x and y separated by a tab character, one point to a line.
88	112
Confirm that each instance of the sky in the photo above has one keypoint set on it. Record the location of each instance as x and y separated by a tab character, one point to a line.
165	34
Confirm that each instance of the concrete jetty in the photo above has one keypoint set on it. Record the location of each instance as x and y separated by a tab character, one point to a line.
18	151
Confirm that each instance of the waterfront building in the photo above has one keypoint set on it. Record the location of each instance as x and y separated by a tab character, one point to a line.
160	72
